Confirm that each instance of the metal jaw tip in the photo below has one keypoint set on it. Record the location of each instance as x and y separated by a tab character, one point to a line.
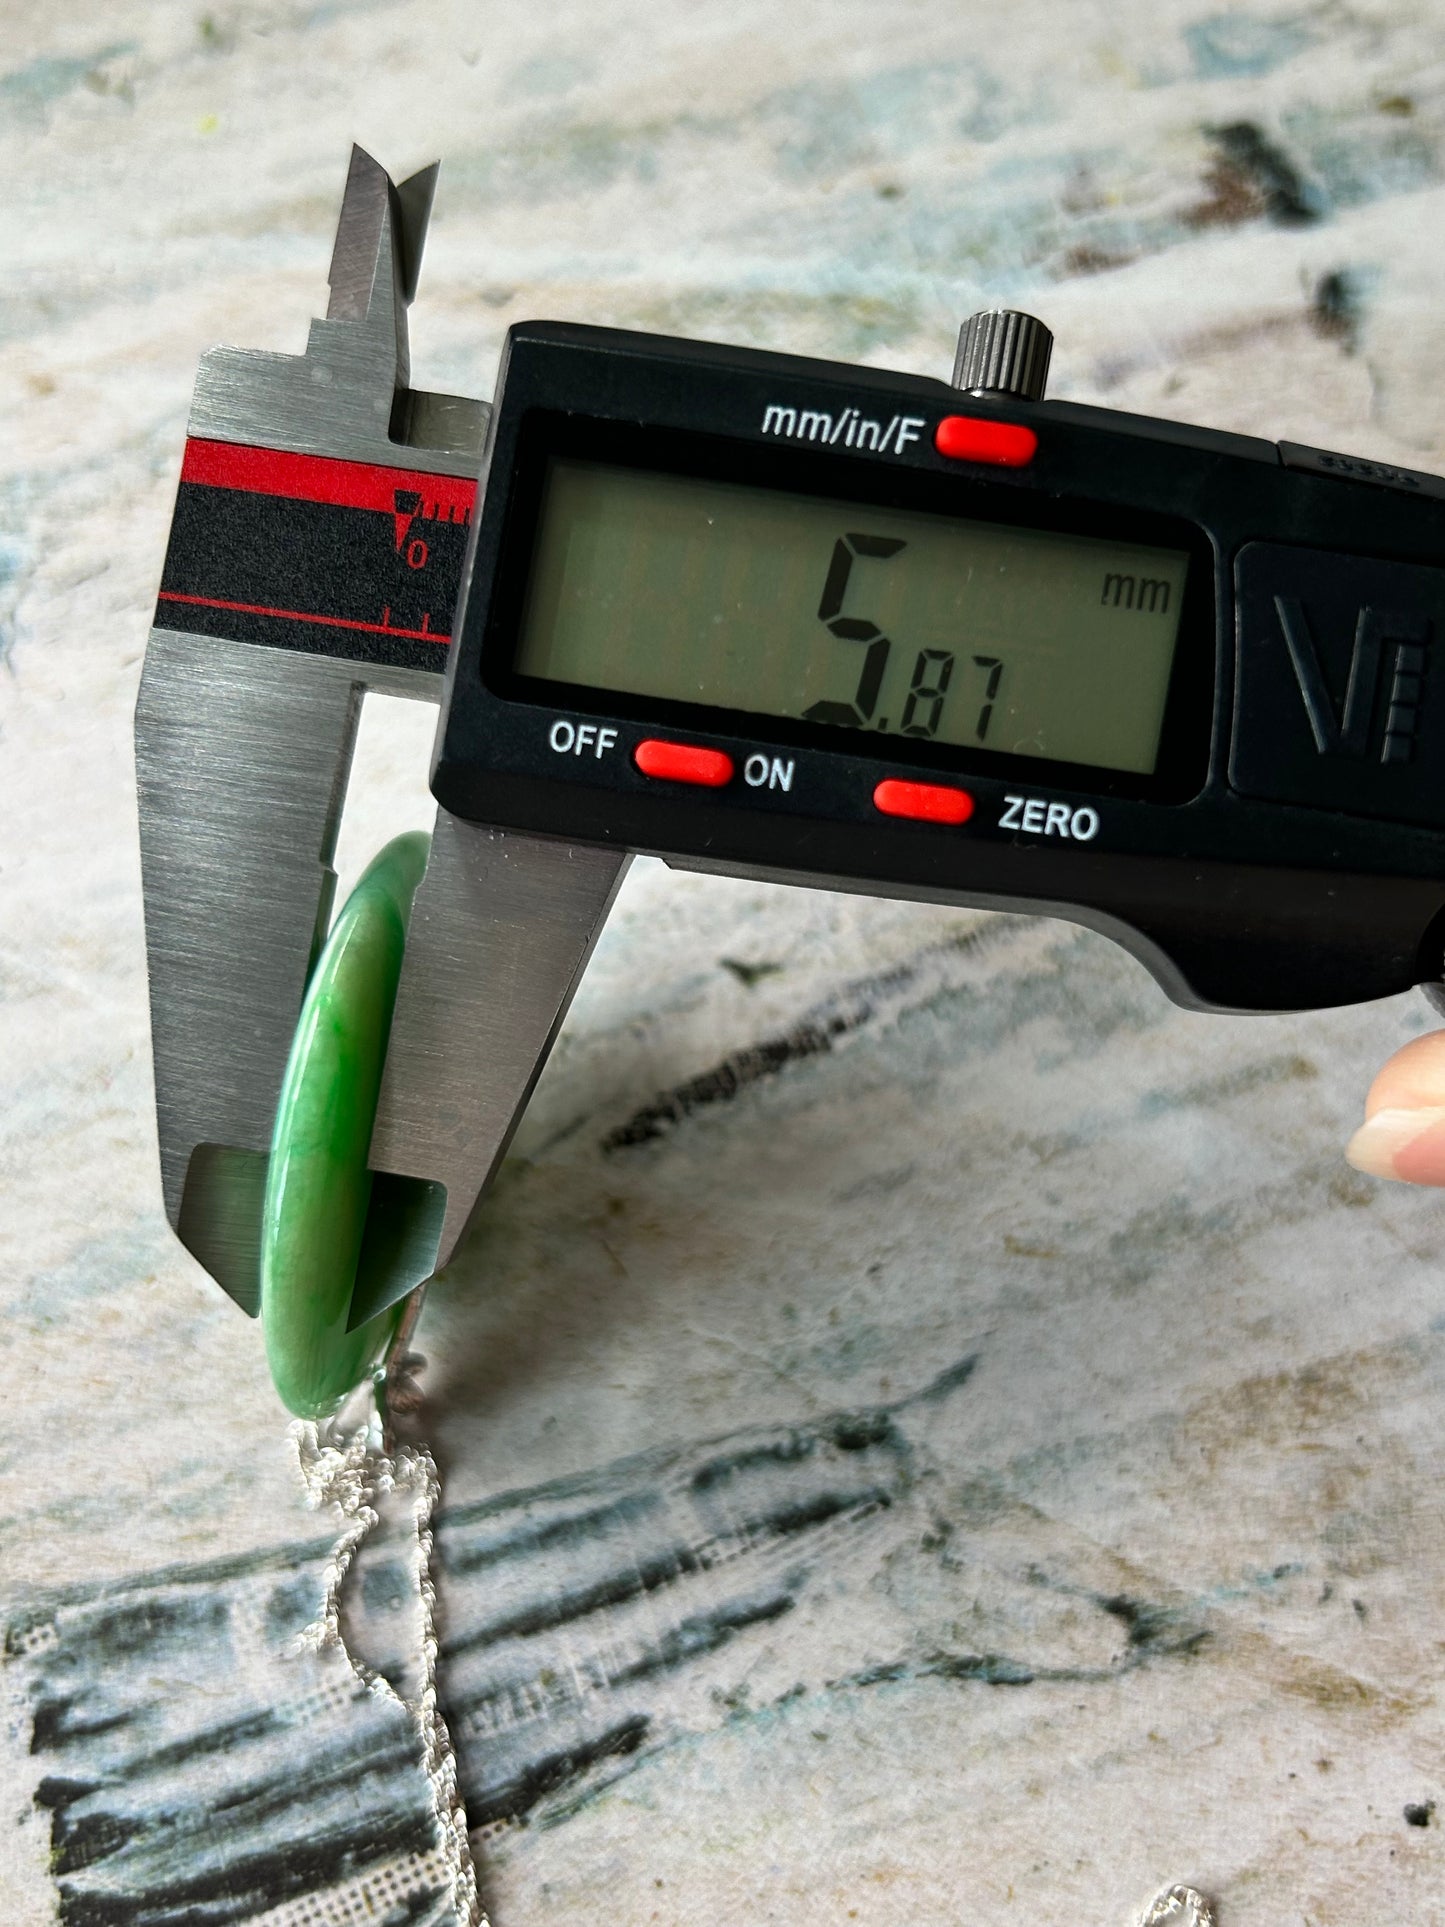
348	395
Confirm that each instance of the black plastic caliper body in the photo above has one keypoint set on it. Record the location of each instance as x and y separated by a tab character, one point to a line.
815	623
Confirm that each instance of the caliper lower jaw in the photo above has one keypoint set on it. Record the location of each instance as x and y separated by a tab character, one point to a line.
501	930
243	750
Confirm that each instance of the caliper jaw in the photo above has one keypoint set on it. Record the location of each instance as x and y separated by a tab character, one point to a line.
245	725
348	395
501	930
243	749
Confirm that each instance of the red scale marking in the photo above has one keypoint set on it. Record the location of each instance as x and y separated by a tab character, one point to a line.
322	478
339	484
305	615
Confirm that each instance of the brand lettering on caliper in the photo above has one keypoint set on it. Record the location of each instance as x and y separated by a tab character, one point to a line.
1348	732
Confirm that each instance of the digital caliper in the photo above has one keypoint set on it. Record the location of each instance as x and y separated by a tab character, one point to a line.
757	614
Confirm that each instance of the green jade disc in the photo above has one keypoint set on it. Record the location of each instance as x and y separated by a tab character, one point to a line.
318	1187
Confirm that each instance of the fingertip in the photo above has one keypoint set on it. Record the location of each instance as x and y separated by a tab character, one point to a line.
1402	1142
1413	1079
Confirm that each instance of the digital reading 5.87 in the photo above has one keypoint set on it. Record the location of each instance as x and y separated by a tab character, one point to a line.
1025	641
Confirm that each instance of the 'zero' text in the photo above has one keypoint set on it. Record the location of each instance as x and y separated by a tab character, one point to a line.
1040	818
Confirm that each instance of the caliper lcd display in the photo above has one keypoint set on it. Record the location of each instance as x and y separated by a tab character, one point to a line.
1018	640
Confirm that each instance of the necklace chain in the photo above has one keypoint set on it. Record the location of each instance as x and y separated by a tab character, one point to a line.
353	1470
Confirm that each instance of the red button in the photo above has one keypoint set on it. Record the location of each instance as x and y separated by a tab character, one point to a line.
924	802
964	438
684	763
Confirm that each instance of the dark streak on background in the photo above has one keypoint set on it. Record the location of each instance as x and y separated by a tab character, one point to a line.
194	1774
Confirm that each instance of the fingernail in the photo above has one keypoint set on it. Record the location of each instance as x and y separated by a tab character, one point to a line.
1377	1146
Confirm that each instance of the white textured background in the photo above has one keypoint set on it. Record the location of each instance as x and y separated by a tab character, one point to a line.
1211	1360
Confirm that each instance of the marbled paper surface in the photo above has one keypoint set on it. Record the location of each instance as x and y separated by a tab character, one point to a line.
934	1434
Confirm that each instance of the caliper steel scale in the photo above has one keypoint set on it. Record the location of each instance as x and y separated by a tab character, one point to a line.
1281	846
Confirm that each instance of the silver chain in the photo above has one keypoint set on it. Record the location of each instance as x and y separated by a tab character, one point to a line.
1181	1906
352	1471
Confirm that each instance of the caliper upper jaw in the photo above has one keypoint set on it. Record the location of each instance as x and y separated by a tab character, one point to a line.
381	222
243	750
347	395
